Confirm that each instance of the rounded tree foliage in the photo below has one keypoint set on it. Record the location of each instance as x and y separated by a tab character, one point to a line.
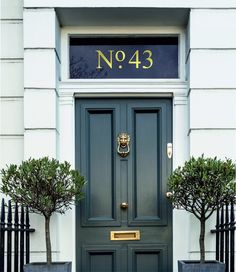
200	187
45	186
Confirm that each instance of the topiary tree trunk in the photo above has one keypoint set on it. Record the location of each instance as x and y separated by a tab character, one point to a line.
48	239
202	239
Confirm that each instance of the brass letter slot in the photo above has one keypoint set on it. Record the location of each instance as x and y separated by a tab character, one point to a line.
125	235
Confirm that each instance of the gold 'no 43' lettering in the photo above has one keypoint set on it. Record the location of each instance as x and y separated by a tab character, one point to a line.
120	56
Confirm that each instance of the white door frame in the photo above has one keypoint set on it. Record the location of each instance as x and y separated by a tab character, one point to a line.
71	88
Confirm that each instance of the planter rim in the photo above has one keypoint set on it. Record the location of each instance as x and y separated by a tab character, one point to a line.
197	261
44	263
44	267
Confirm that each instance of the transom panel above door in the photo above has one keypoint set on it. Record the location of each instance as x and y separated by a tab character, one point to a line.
125	222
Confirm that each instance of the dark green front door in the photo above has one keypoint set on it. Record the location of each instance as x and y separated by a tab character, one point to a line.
137	180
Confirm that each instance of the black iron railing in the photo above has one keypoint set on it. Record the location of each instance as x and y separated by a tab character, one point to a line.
14	237
225	236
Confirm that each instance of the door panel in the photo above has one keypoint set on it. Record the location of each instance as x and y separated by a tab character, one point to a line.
98	163
138	179
147	258
146	165
150	125
101	259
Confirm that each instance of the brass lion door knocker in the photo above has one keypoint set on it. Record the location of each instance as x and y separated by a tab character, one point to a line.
123	141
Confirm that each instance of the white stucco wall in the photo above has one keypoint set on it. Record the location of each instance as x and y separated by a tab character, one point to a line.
212	92
11	83
37	103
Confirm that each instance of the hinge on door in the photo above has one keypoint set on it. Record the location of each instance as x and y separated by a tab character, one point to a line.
169	150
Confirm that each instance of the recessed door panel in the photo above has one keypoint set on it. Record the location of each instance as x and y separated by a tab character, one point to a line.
125	221
100	165
146	165
101	258
147	258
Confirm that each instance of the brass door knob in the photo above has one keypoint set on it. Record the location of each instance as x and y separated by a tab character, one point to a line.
169	194
124	205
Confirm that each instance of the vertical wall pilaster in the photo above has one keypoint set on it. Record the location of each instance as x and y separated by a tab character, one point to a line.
67	141
41	126
67	152
181	154
211	60
41	63
180	129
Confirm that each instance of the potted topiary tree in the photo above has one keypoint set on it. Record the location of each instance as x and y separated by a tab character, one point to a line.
45	186
200	187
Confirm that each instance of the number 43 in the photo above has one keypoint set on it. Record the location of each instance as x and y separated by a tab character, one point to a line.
135	59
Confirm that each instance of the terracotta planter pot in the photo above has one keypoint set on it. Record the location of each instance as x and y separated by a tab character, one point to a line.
196	266
43	267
